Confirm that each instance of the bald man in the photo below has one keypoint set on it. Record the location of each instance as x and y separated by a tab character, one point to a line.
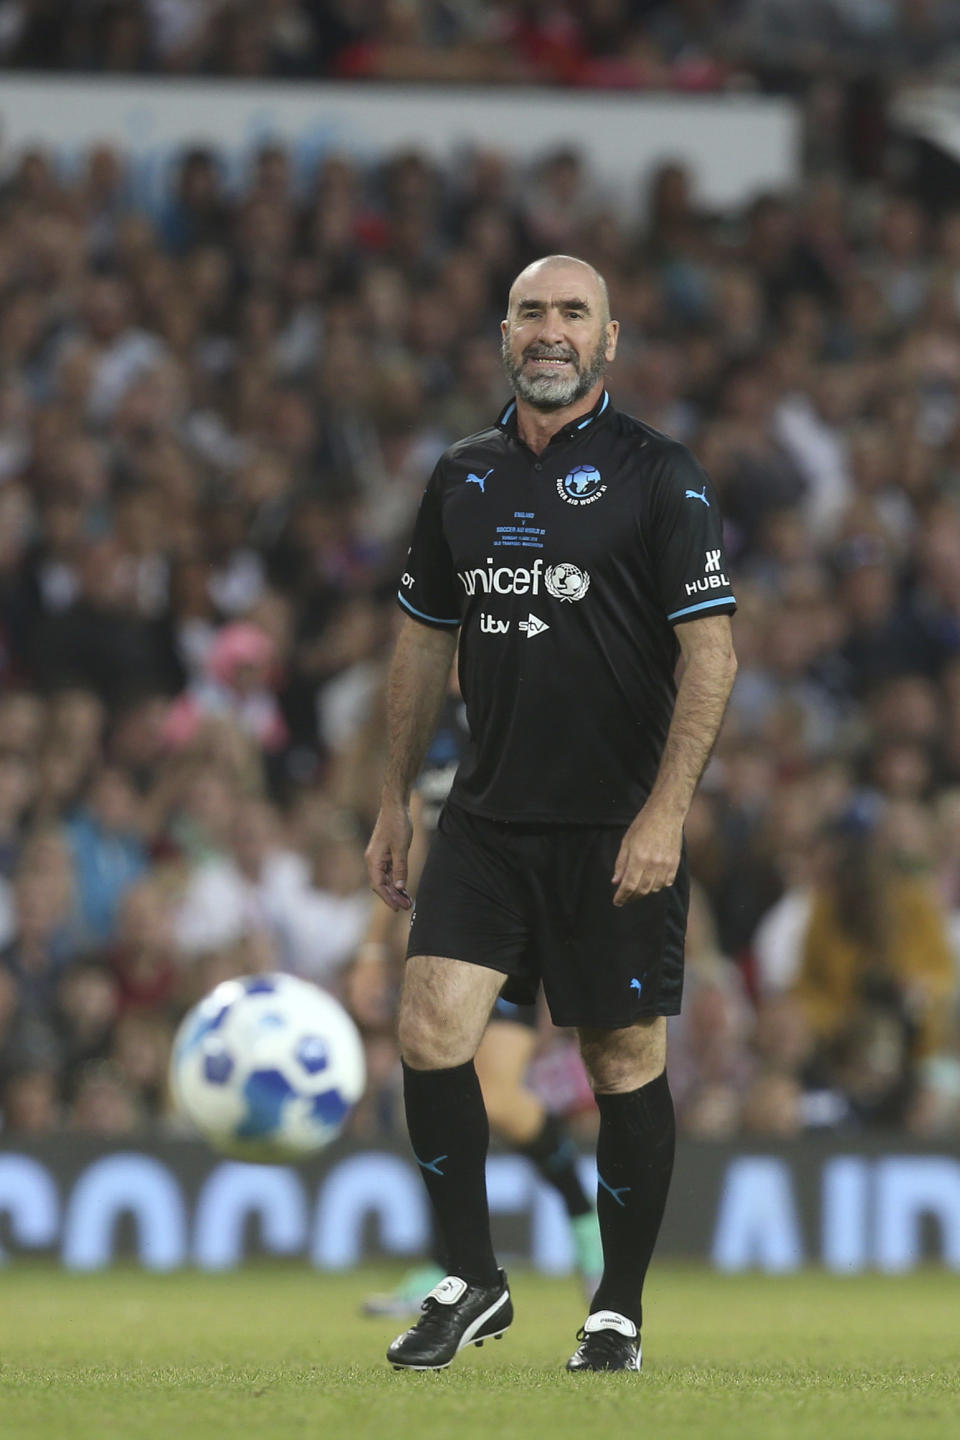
576	554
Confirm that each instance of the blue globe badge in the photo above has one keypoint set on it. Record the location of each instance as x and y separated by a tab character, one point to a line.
581	485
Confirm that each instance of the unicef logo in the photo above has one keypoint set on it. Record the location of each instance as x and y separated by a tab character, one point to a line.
566	581
581	486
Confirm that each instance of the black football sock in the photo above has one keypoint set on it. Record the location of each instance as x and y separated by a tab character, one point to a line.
449	1133
634	1164
554	1152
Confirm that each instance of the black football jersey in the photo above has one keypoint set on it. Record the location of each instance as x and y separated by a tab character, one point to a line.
565	573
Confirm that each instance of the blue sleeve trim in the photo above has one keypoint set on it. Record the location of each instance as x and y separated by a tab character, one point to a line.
434	619
704	605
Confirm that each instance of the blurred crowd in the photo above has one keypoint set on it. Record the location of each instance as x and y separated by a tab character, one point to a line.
680	44
215	424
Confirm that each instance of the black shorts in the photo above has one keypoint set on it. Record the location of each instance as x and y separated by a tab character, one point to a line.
536	903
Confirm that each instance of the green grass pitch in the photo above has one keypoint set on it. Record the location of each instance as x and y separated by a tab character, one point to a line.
282	1352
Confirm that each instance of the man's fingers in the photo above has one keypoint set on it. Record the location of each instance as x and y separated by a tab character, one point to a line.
620	865
396	898
643	878
394	894
394	874
386	857
388	879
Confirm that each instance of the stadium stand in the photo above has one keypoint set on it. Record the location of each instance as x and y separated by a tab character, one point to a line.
216	418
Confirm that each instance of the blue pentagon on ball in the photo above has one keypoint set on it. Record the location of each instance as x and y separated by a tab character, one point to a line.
260	985
312	1054
217	1065
266	1092
330	1107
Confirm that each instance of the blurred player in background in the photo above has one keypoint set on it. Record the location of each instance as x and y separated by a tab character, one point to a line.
516	1113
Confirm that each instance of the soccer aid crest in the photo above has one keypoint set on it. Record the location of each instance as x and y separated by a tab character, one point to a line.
581	485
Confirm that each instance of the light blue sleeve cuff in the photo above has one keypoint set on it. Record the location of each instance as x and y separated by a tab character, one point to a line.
433	619
704	605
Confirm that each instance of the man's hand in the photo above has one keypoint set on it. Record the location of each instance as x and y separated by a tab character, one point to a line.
649	854
386	855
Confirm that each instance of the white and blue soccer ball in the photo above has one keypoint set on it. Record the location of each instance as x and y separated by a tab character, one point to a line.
267	1068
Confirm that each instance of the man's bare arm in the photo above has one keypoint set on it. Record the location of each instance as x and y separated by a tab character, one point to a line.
650	853
416	690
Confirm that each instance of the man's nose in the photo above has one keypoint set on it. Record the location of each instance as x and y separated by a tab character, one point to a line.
551	329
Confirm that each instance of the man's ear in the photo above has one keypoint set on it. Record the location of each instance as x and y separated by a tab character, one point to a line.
612	335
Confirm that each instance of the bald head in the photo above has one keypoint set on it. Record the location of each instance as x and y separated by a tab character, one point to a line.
592	283
558	337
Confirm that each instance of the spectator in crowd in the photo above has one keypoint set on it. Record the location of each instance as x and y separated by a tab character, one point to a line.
103	1102
29	1100
108	856
238	683
245	889
47	932
146	960
877	978
324	921
87	1009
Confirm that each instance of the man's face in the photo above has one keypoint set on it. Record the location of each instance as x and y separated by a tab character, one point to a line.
557	339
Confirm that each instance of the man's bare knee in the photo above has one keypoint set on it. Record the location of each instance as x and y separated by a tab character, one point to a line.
618	1061
425	1046
443	1011
429	1038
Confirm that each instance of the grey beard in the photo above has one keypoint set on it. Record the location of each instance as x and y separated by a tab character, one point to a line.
554	392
